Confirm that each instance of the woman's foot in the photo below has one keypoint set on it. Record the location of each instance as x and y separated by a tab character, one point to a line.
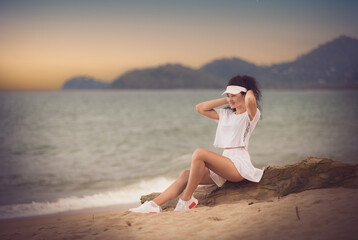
186	205
147	207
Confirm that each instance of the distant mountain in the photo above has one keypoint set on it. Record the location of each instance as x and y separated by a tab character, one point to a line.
84	82
227	67
166	77
334	64
330	65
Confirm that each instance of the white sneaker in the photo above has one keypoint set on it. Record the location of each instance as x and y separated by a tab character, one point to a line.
186	205
147	207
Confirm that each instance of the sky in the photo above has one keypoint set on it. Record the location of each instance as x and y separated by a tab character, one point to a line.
44	43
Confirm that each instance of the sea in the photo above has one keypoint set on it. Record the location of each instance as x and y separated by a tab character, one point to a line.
63	151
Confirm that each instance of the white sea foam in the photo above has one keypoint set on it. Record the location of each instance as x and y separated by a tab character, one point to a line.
129	194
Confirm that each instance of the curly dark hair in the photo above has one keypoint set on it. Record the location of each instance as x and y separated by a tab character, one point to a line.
249	83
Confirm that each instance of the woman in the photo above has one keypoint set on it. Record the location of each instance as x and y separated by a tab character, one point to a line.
235	125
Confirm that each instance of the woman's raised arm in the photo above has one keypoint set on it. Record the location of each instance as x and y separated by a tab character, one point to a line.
207	108
250	104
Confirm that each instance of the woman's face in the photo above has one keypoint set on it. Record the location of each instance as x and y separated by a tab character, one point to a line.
235	100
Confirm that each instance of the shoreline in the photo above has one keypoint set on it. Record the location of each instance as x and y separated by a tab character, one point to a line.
330	213
84	211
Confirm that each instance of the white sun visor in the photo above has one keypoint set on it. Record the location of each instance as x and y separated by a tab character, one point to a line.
233	89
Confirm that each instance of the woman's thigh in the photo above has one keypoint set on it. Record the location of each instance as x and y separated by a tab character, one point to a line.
219	164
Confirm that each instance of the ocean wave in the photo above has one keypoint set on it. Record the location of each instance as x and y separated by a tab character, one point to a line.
129	194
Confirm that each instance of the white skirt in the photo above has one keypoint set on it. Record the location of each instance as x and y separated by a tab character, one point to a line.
241	159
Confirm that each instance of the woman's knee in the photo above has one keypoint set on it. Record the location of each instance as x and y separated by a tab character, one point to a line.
198	154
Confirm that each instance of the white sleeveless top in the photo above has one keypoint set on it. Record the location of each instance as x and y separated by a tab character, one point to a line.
234	130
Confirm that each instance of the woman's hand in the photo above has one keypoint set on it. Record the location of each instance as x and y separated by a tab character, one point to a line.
207	108
250	104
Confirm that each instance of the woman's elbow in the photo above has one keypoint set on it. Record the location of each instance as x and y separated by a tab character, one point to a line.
198	108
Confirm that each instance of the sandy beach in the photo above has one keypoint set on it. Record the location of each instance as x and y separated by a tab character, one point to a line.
330	213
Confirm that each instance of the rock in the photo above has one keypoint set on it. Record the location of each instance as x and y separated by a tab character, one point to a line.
277	181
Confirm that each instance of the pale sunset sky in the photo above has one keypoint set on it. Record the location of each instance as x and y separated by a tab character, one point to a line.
45	42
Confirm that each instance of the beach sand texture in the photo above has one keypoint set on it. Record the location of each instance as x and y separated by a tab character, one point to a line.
329	213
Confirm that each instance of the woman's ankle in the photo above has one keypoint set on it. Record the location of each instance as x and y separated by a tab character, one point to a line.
185	198
156	202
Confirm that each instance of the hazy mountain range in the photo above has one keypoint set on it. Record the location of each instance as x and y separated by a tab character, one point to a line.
331	65
85	82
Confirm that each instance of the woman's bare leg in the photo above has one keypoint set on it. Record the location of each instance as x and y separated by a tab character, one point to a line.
177	187
202	159
174	190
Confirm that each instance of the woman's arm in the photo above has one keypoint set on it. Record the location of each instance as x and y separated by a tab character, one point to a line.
250	104
207	108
